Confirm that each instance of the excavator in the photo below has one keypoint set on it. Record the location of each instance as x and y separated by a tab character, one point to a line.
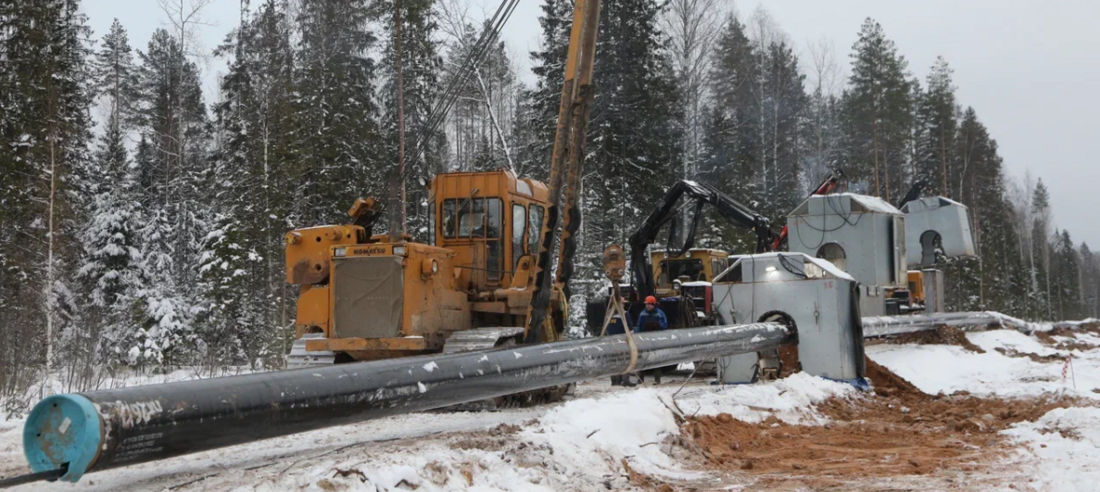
681	279
483	280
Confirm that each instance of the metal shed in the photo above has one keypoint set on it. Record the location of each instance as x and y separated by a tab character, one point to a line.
812	295
862	235
936	221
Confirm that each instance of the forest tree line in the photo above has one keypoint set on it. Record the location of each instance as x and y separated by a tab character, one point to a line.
143	220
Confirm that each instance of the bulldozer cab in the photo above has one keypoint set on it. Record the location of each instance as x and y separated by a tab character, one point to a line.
697	265
490	220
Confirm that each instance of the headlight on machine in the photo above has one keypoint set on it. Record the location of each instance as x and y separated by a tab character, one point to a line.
399	251
340	252
429	267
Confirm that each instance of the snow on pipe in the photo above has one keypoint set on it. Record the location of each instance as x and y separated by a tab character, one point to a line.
881	326
78	433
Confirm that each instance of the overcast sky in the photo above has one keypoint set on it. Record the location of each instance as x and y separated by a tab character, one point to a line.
1029	68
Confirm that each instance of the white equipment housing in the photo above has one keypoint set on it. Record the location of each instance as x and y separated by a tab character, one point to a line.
862	235
936	221
810	293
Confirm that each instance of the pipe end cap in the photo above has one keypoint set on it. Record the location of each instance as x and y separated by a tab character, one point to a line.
60	430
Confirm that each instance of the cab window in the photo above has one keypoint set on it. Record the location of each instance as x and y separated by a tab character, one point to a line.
471	218
534	228
519	226
493	211
431	224
674	269
449	223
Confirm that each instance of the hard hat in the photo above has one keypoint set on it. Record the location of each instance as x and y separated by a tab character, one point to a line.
651	300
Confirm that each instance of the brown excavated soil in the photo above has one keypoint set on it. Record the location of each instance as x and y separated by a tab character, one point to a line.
897	431
1072	344
944	335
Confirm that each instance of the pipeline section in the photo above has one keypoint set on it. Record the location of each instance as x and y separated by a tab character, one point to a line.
883	326
104	429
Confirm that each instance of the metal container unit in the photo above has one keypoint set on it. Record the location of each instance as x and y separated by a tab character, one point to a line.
936	222
933	291
817	298
862	235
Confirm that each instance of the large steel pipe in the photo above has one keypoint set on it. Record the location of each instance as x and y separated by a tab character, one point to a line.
881	326
109	428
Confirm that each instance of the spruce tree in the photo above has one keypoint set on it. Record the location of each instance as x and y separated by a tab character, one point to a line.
421	66
242	254
936	127
538	116
43	158
878	103
113	266
337	117
172	120
636	129
115	75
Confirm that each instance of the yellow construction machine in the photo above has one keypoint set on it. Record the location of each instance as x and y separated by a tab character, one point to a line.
484	278
363	297
696	265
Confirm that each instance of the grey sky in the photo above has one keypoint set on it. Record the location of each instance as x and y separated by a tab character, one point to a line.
1029	68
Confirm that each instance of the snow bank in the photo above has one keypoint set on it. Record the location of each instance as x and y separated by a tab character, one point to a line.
946	369
1064	446
586	435
990	341
790	400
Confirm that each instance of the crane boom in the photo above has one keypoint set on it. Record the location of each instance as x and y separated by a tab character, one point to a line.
566	167
733	211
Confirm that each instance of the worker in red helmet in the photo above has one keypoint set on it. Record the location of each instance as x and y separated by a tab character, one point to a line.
651	319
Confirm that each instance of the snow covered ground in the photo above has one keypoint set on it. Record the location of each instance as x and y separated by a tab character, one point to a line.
592	441
1060	451
947	369
576	445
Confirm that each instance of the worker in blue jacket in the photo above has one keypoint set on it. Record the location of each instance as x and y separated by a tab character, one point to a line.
651	319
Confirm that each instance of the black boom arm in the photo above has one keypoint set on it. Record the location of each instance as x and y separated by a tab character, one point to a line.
733	211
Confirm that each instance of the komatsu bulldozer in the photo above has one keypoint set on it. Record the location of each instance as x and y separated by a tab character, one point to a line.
483	280
363	297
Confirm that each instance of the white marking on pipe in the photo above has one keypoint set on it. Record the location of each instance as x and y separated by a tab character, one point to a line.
517	354
431	366
65	425
423	389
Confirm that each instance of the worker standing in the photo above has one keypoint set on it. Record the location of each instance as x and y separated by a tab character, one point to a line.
651	319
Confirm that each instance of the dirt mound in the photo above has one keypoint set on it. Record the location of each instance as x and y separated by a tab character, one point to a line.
1046	359
1074	343
886	383
944	335
788	356
897	431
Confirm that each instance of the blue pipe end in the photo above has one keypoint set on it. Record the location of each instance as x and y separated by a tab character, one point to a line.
62	429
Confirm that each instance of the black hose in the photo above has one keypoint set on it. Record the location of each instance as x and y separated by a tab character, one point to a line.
47	476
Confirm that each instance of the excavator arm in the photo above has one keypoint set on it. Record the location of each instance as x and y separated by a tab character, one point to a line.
733	211
566	169
831	182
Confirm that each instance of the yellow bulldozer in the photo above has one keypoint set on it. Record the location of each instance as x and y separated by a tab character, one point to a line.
363	297
482	281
